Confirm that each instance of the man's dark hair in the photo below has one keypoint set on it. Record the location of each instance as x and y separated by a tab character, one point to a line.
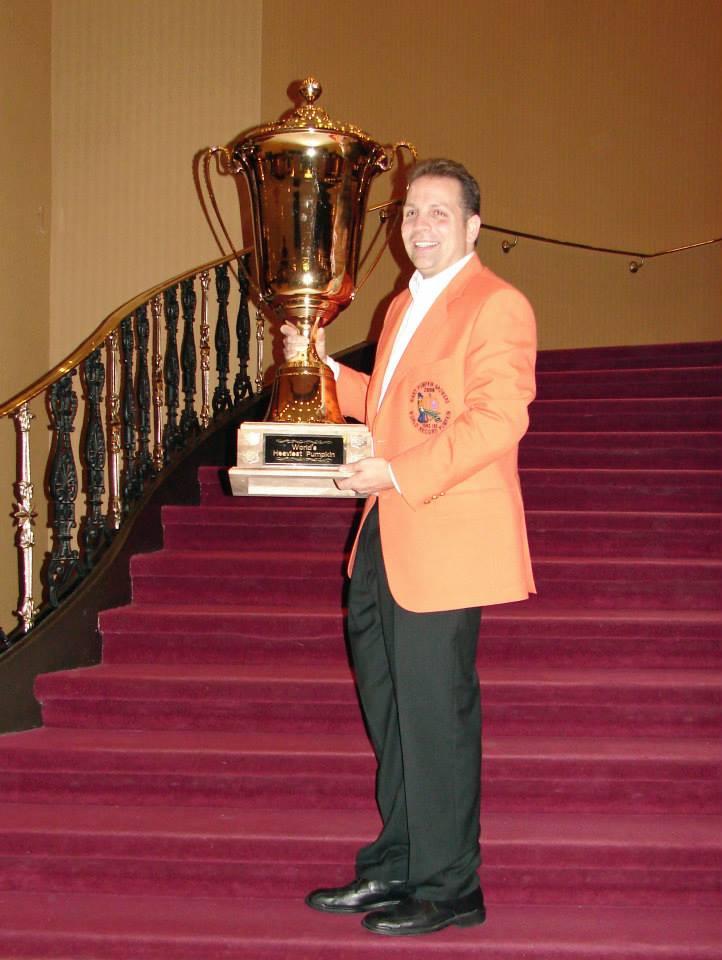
439	167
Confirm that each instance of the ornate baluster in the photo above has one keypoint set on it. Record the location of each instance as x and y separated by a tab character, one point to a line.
93	534
205	352
260	334
64	565
242	384
143	397
221	395
155	308
114	504
171	433
24	517
130	482
189	419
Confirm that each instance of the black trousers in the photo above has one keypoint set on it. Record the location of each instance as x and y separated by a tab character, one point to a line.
419	690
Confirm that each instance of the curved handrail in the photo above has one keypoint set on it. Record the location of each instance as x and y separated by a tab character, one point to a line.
508	245
634	265
101	332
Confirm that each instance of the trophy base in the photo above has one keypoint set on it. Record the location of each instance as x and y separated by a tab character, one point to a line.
296	459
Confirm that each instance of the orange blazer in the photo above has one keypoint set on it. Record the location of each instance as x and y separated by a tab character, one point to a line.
450	424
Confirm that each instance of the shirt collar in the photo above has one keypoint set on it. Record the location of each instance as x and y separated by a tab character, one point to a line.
431	287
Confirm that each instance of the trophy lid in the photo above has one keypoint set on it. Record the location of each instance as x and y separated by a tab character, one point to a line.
308	116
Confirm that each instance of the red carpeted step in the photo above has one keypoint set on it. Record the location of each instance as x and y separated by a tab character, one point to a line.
639	584
155	633
645	414
306	699
695	381
552	532
641	358
216	528
600	774
517	634
512	633
240	853
632	534
91	927
648	490
189	577
616	450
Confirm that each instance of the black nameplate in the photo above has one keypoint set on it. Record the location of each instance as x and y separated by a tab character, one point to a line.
311	451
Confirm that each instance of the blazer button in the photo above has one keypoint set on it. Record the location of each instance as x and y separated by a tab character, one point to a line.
427	501
434	497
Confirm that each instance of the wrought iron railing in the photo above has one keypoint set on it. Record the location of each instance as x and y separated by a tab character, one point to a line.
139	390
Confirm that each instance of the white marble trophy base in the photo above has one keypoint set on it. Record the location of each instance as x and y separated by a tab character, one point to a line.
296	459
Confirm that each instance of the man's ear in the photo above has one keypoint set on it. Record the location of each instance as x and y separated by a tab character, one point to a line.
473	226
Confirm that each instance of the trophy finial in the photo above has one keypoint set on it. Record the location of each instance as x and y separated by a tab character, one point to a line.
306	115
310	89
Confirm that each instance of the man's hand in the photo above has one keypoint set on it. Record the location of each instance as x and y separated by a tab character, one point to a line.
294	343
369	475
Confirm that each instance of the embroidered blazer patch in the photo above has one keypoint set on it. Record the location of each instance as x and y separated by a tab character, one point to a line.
429	407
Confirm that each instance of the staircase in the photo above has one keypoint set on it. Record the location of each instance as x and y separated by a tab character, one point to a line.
184	795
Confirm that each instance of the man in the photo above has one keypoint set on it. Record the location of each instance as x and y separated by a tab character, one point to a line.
442	535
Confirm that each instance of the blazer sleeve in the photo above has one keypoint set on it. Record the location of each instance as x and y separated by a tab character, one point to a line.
498	387
351	388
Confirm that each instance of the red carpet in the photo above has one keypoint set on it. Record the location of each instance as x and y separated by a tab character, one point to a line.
184	795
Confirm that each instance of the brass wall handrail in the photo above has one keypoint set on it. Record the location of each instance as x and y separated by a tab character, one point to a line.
637	254
100	334
508	245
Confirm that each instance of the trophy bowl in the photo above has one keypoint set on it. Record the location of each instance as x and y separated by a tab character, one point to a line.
309	179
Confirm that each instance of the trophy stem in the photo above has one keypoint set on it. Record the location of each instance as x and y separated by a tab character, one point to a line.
304	389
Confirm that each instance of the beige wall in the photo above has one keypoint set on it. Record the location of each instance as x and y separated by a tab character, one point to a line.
25	190
24	240
597	121
138	87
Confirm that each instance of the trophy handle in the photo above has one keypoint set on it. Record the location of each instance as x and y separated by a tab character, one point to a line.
225	161
386	163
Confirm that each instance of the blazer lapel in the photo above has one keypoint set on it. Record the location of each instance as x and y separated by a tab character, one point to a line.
383	353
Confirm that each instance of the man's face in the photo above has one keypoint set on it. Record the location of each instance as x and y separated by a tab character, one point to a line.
435	229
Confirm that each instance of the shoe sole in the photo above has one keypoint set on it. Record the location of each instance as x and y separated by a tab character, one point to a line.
367	908
473	919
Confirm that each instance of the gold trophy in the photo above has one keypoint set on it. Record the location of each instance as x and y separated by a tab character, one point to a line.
309	178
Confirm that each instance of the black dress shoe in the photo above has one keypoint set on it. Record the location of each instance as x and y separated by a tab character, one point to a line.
358	896
425	916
